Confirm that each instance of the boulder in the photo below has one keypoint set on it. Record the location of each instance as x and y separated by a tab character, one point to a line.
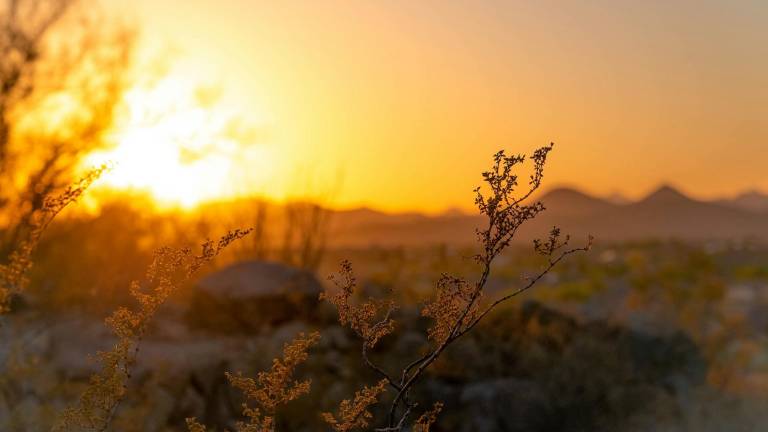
250	295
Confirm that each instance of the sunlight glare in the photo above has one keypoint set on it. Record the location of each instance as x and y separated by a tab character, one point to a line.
180	146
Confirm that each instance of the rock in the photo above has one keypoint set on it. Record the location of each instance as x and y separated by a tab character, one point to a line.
250	295
505	404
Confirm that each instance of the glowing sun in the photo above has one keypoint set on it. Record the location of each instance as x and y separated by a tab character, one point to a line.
178	144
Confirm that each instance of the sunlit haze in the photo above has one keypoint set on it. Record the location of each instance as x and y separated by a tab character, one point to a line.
405	101
175	142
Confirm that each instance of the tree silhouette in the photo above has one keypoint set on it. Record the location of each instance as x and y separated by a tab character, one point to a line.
61	77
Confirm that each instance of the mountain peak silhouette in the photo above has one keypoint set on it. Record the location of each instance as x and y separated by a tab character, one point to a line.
665	194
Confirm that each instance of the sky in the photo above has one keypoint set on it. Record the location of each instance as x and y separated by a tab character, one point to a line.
399	105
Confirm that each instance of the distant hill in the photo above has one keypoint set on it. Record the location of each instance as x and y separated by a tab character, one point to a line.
618	198
666	213
750	200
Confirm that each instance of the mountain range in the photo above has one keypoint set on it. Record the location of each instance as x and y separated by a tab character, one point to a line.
665	213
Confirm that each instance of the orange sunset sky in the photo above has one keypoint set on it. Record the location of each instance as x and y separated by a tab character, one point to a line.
400	104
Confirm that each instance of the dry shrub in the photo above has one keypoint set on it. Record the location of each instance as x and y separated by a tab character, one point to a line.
457	305
425	422
13	275
353	413
169	270
271	389
363	319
